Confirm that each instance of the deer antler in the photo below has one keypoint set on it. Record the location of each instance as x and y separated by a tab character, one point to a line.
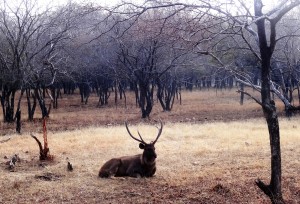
141	137
141	140
159	132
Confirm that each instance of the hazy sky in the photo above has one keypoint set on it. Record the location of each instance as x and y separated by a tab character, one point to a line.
100	2
53	3
267	3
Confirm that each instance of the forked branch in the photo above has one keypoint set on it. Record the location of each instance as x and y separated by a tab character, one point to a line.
269	191
44	151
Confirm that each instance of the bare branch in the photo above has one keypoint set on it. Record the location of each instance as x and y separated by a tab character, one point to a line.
255	99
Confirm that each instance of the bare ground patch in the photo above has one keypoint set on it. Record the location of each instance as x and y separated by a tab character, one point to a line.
196	107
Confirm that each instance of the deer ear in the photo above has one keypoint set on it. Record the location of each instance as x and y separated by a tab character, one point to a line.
142	146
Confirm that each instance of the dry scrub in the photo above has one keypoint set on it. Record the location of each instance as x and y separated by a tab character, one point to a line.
197	163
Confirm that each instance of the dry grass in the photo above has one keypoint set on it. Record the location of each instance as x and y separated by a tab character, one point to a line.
197	163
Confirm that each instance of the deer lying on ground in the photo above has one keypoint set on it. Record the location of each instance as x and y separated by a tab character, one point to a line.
141	165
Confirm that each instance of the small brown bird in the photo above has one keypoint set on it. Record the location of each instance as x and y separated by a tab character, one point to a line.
70	167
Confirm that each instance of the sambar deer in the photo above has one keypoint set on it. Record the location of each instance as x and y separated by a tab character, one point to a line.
141	165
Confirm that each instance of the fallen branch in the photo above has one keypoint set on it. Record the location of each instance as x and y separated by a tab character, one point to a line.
2	141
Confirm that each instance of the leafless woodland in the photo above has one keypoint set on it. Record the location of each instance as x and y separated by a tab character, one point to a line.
150	53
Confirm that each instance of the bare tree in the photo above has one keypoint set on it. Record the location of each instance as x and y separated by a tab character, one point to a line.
221	22
267	46
32	37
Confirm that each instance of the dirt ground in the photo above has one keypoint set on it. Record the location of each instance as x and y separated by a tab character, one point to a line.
196	107
215	173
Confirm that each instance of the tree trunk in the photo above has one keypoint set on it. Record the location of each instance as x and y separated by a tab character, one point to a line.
2	98
298	91
7	103
242	94
18	121
41	100
44	151
145	100
18	113
273	190
242	89
160	94
31	110
116	93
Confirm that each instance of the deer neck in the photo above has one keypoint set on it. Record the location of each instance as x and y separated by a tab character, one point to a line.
145	163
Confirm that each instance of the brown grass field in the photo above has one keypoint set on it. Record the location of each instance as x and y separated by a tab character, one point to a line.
211	151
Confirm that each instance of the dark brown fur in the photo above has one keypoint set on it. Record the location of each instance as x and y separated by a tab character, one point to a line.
141	165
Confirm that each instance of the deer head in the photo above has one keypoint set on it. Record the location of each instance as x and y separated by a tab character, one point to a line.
149	154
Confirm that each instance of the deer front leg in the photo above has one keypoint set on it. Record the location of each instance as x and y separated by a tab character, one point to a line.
110	168
151	172
135	172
